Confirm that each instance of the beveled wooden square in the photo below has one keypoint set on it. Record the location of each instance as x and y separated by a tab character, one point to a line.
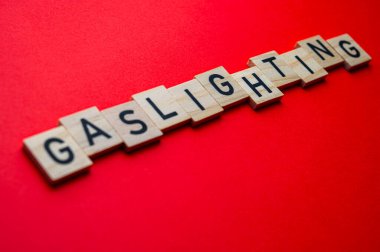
162	108
196	101
352	53
322	52
56	154
132	124
304	64
91	131
222	87
260	89
275	68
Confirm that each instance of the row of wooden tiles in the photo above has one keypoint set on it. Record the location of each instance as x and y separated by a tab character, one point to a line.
65	150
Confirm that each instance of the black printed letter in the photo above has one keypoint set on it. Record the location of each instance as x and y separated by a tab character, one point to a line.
163	116
304	64
323	49
90	136
259	82
270	60
353	51
194	99
143	129
230	90
70	154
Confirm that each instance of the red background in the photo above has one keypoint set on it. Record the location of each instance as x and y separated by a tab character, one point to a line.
301	175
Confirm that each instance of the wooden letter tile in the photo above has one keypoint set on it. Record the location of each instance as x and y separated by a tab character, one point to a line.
91	131
304	64
56	154
196	101
275	68
222	87
260	89
132	124
323	53
162	108
354	56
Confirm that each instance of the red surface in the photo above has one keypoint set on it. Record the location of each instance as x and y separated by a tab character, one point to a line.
302	175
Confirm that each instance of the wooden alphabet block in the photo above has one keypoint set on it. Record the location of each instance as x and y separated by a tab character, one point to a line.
304	64
91	131
275	68
132	124
222	87
323	53
353	55
260	89
56	154
162	108
196	101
